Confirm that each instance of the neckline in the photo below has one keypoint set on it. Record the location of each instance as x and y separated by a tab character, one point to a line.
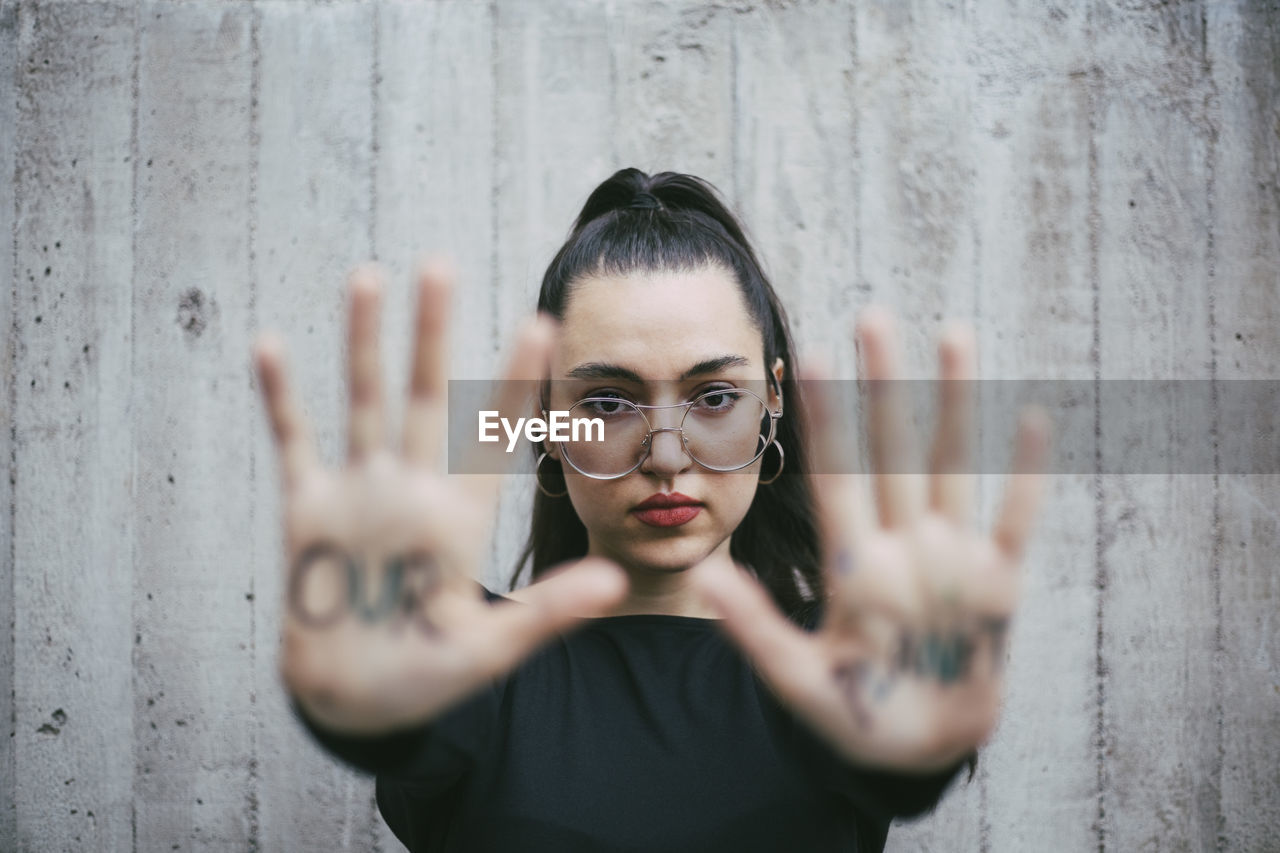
625	618
659	618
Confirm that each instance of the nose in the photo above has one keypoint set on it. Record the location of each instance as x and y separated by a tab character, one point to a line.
667	456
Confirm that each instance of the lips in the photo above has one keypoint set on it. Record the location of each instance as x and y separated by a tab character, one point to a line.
669	510
661	501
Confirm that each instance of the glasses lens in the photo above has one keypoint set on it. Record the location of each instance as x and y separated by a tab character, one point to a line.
723	430
607	437
727	429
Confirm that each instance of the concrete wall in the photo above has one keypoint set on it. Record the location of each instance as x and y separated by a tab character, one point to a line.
1096	184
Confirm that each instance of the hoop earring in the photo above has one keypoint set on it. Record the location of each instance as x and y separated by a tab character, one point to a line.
538	479
782	463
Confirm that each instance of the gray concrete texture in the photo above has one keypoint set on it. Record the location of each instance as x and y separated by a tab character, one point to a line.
1095	184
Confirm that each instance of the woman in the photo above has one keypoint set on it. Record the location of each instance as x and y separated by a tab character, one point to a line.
734	651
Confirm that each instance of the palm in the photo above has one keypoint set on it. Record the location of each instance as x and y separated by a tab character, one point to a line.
373	511
905	670
384	623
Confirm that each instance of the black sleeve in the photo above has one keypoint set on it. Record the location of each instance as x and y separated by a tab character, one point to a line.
431	756
420	771
888	794
879	794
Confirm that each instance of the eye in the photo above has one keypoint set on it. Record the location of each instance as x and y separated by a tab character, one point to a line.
718	400
605	403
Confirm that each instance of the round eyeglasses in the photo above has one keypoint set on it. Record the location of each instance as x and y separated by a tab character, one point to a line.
724	429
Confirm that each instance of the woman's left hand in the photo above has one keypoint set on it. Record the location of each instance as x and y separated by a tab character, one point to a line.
905	671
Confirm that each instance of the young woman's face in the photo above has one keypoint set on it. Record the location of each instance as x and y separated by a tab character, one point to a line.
660	338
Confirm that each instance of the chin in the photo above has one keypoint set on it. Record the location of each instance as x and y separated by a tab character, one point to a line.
667	554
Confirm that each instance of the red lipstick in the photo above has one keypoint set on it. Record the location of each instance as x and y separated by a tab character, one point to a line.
667	510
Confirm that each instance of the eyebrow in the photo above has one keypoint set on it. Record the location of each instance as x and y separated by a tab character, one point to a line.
604	370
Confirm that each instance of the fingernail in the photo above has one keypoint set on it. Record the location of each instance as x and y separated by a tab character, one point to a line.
268	343
437	266
710	574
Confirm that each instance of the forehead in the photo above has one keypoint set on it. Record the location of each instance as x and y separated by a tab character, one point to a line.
656	323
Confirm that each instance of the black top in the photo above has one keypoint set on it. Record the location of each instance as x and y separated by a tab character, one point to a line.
633	733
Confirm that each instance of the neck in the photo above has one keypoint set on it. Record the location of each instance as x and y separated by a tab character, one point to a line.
648	596
662	590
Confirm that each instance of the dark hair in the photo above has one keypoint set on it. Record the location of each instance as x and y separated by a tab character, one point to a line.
672	222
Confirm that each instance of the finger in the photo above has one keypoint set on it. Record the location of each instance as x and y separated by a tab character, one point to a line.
830	447
288	424
555	604
786	657
425	414
843	513
897	481
1025	486
367	428
512	399
951	480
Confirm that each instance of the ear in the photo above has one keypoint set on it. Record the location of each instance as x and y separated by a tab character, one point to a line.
536	411
775	394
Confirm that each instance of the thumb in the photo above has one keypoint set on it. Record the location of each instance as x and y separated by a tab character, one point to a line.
557	603
783	654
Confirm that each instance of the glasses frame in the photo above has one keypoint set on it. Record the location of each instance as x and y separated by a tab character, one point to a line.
647	442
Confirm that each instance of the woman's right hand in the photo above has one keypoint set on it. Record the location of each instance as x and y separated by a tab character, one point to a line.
384	624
